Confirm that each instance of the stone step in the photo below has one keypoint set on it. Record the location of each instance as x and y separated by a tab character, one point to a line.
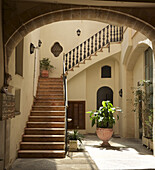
42	145
50	85
44	131
49	103
41	153
46	118
43	138
45	96
45	124
48	108
47	113
48	99
50	79
43	92
50	88
50	82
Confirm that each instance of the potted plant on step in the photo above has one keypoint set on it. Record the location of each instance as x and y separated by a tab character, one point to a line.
73	138
45	67
104	120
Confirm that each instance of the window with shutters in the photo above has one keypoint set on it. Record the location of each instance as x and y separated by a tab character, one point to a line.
76	111
106	72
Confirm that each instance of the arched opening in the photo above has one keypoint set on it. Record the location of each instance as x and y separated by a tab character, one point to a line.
14	35
104	93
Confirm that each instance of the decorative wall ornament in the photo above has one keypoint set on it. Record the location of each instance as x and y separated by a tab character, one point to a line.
56	49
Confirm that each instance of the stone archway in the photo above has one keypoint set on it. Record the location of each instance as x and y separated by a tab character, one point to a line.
34	18
16	32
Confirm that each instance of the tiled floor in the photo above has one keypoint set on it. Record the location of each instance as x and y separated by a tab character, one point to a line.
123	154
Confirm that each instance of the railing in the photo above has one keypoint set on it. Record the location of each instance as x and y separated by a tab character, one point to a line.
66	102
93	44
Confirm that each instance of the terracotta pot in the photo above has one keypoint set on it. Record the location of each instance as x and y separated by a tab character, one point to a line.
44	73
104	134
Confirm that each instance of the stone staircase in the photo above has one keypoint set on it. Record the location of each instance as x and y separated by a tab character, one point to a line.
44	135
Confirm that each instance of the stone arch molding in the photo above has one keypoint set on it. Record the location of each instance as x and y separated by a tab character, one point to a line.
84	13
136	52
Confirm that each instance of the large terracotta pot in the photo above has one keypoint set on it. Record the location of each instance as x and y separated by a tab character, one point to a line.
44	73
104	134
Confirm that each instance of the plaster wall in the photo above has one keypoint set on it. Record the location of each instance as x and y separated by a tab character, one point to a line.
27	85
126	45
84	86
64	32
94	82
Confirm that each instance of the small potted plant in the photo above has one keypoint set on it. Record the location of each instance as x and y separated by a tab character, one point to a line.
73	138
45	67
104	120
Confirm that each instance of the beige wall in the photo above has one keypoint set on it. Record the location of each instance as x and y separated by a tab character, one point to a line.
77	87
64	32
84	86
26	84
124	76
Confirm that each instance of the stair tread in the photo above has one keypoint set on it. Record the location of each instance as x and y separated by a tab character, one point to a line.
41	151
45	143
49	101
50	94
44	136
46	117
48	106
50	90
46	111
49	98
48	129
46	122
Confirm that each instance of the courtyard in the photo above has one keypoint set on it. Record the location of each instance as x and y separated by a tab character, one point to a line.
122	154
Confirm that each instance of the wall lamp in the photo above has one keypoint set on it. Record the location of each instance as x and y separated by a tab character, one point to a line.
78	32
120	92
32	47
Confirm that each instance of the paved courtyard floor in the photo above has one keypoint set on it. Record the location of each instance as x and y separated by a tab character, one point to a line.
123	154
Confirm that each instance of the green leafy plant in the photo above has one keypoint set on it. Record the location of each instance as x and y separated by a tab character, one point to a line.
45	64
103	117
143	103
75	135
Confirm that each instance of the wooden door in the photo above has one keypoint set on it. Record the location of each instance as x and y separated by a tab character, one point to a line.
76	111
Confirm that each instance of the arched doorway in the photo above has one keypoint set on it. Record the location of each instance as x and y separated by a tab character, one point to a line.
104	93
